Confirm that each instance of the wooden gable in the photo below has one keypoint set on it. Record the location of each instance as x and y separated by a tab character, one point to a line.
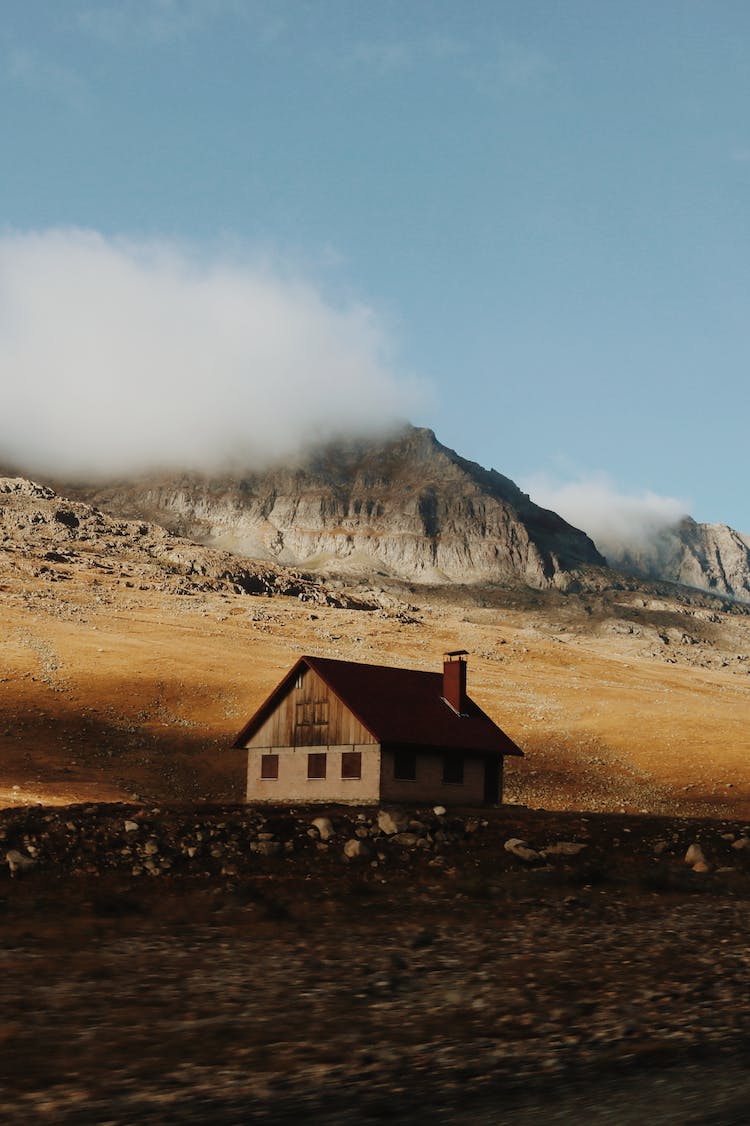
309	714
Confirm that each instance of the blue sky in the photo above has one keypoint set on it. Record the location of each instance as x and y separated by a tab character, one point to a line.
540	208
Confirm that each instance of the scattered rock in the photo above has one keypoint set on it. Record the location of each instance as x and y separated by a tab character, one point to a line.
17	862
390	822
695	856
325	827
522	851
564	848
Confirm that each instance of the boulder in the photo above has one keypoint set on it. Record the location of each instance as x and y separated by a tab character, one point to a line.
18	863
408	840
356	849
522	851
695	856
741	843
390	822
325	827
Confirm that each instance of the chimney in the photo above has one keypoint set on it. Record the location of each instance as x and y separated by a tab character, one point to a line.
454	680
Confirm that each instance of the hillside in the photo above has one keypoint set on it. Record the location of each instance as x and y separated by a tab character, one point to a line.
132	658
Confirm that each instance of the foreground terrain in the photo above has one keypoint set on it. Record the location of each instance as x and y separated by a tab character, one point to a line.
254	973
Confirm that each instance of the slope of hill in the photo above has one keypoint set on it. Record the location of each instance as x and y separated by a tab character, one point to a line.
131	659
408	507
707	556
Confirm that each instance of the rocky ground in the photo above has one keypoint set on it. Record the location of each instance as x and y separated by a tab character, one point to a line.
230	965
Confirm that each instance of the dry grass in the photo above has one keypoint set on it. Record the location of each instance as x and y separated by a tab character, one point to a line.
108	691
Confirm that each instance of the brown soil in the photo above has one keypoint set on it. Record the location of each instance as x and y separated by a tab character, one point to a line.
107	691
309	988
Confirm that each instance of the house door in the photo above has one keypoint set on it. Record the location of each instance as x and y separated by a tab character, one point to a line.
491	781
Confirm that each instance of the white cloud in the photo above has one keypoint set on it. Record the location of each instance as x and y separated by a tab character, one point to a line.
617	522
116	355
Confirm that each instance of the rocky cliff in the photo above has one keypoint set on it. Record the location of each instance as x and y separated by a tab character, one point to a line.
408	506
708	556
53	538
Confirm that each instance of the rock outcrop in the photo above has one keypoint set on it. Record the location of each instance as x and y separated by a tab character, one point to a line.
710	557
408	506
53	538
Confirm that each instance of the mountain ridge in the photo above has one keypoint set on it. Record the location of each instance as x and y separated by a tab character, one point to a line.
410	508
408	505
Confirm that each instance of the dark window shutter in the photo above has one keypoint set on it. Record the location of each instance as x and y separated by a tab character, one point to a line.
405	765
453	770
351	764
316	765
269	766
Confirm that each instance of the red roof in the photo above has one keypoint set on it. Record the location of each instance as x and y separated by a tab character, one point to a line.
399	707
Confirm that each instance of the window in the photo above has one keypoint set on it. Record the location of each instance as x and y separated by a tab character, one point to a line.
316	765
320	711
453	770
351	764
309	712
304	713
405	766
269	766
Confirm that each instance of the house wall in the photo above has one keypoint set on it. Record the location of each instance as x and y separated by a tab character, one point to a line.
293	784
282	728
428	786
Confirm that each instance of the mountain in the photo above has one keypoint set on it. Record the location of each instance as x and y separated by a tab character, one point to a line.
710	557
407	506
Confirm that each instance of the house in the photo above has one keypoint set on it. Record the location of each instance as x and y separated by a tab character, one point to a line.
340	731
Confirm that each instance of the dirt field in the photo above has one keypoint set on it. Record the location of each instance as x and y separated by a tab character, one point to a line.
106	691
456	983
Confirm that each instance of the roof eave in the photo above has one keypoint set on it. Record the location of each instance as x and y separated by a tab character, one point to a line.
485	752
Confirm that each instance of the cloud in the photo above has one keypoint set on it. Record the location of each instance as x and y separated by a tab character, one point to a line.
117	355
620	524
